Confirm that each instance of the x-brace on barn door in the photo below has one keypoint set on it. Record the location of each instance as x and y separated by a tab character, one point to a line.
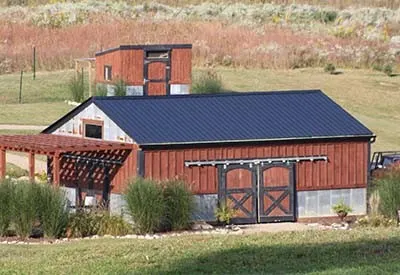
258	193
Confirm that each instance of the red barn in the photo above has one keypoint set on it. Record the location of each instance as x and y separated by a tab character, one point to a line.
146	69
274	156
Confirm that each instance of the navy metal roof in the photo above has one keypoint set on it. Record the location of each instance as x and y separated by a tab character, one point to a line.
233	117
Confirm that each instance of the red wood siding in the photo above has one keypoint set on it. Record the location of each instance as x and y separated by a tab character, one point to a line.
346	166
132	67
113	59
181	66
126	172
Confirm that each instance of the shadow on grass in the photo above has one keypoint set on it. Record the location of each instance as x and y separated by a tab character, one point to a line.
358	257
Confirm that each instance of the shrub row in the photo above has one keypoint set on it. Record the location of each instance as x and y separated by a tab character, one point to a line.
26	208
159	206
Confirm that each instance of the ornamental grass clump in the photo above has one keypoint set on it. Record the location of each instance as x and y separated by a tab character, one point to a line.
207	83
53	211
146	205
389	193
179	205
77	87
24	208
6	211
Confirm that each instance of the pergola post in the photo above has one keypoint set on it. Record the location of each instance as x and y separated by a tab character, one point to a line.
2	163
31	166
56	169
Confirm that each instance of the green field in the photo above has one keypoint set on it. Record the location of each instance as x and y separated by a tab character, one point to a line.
360	251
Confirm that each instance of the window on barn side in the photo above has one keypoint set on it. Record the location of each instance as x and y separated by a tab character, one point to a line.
157	54
108	73
93	129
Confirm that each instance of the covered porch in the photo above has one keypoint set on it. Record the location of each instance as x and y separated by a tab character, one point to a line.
71	161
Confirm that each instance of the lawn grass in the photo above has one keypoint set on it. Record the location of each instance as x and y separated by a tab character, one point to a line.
33	114
372	97
360	251
47	87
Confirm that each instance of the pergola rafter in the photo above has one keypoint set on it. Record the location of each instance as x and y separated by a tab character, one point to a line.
54	146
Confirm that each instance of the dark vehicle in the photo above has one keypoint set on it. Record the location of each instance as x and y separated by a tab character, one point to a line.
382	161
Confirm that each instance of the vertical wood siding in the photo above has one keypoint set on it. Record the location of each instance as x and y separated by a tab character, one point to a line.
132	67
128	66
181	66
126	172
346	166
113	59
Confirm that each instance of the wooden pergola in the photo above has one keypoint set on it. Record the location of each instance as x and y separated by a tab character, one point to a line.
55	146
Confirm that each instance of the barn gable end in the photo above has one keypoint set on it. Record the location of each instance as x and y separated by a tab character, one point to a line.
73	124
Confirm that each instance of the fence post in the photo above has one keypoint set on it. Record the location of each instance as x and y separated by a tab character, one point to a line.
83	83
34	63
20	88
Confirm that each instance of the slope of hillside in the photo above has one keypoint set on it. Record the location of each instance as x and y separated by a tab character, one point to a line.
233	35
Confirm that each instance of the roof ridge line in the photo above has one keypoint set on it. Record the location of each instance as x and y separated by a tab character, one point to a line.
244	93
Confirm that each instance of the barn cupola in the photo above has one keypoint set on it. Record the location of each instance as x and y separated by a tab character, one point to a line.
145	70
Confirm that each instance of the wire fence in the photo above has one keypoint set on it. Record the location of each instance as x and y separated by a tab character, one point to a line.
46	87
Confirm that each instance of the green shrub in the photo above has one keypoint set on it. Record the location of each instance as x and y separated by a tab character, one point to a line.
330	68
328	16
25	209
388	69
146	205
84	223
342	209
179	205
6	213
224	212
207	83
376	221
113	225
377	67
101	90
389	192
120	88
53	211
77	88
14	171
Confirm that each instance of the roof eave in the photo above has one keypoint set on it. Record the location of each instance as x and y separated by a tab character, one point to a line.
258	140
